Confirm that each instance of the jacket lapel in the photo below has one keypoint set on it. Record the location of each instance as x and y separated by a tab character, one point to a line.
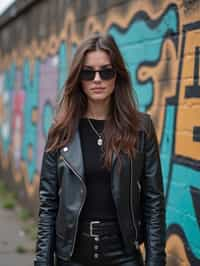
72	153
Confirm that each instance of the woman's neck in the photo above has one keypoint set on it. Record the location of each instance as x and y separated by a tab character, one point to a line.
97	111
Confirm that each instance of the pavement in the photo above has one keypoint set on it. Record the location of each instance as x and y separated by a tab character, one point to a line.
12	237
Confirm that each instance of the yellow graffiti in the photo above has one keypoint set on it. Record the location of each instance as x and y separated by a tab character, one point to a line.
188	113
164	87
176	251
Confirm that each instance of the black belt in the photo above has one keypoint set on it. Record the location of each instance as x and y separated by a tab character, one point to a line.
99	228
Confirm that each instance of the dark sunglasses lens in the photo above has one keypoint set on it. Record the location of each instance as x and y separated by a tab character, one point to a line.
107	74
87	74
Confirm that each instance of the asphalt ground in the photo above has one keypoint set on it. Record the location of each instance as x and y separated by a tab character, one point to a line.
16	247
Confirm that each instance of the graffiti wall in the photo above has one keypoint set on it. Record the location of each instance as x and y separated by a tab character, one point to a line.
160	42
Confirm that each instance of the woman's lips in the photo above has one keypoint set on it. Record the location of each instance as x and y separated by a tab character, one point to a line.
97	89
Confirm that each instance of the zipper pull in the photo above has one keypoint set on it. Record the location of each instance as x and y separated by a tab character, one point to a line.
139	186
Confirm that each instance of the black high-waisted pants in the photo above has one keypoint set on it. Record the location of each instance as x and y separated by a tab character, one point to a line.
108	250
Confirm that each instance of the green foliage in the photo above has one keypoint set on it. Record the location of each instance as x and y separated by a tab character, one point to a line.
8	203
2	189
21	249
31	230
7	198
24	214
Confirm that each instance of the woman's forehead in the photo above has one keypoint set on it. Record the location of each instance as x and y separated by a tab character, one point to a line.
97	58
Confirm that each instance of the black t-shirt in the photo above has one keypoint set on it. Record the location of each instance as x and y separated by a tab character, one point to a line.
99	204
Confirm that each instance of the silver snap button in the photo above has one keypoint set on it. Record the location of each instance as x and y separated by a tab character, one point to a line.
96	238
65	149
96	247
96	255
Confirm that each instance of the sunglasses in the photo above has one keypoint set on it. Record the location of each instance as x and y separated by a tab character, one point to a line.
105	74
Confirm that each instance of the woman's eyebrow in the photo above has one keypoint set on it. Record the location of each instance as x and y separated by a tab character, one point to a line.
103	66
107	65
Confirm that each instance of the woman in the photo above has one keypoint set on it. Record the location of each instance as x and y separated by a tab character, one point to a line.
101	192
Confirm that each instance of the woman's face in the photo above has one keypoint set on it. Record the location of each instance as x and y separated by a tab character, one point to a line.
98	89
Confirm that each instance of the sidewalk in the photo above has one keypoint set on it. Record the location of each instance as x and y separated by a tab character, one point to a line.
12	237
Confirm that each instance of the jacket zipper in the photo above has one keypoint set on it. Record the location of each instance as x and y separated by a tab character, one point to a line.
76	225
139	186
131	203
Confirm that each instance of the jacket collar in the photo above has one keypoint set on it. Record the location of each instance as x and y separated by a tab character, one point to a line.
73	154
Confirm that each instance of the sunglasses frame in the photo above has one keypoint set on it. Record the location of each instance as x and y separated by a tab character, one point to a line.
100	71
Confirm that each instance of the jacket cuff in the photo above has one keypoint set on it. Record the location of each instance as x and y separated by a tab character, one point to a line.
158	262
37	263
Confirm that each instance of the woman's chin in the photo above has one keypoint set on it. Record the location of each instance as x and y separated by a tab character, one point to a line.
99	97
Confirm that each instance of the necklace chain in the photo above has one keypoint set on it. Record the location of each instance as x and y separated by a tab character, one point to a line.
100	140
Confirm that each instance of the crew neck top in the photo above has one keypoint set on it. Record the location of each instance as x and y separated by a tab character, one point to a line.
99	204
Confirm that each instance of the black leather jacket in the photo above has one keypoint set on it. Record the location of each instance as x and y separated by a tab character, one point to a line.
137	193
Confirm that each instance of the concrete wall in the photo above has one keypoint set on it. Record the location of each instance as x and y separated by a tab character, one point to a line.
160	41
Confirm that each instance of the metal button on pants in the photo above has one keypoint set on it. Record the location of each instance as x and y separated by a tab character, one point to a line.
104	251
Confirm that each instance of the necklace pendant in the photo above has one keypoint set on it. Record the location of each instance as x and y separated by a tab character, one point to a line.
99	141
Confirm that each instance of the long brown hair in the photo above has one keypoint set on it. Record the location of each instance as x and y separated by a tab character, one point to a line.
121	127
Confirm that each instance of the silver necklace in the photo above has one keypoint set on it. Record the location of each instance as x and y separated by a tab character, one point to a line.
100	139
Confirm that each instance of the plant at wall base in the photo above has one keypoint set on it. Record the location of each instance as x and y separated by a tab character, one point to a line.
8	199
31	230
21	249
9	203
24	214
2	188
28	223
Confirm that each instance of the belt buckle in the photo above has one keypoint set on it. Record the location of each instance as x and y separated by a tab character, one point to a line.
91	228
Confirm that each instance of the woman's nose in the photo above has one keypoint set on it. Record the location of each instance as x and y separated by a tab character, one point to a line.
97	77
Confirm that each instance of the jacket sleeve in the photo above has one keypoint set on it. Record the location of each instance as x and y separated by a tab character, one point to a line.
154	206
48	191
